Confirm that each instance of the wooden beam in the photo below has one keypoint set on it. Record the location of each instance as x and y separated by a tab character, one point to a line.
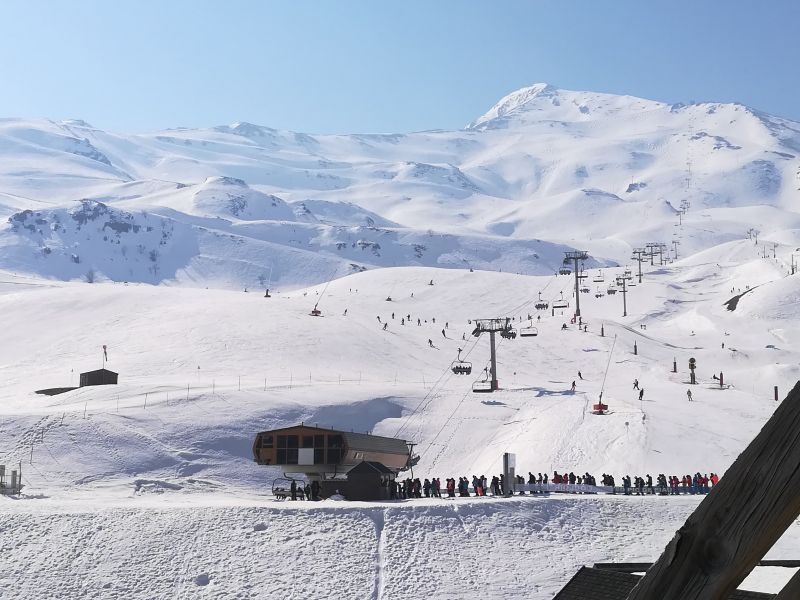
792	589
738	522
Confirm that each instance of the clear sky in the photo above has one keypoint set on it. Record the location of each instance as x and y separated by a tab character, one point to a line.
379	66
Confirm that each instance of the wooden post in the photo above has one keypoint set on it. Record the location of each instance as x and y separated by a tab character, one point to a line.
792	589
738	522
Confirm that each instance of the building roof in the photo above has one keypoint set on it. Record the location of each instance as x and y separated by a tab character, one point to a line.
99	371
606	584
356	441
368	466
374	443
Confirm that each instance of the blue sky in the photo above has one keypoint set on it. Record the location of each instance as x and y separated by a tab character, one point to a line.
367	66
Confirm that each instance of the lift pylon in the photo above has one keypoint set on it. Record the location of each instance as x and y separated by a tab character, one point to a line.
575	256
491	326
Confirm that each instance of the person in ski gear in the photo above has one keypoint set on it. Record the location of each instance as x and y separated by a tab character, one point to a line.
573	386
636	384
430	342
579	375
385	325
444	335
641	394
689	395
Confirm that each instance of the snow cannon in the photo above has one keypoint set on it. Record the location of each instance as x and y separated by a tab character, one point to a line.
599	408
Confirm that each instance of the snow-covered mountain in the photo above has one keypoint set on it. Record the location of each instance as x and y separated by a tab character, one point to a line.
542	169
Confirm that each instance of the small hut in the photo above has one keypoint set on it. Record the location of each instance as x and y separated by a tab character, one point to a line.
99	377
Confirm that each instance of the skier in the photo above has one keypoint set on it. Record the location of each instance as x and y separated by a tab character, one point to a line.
418	322
385	325
579	375
392	315
636	384
379	318
345	312
641	394
689	395
430	342
444	335
573	386
402	321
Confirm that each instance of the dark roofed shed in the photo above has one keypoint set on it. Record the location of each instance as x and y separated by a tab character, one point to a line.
98	377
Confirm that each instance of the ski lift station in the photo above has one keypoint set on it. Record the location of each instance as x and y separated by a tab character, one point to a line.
333	458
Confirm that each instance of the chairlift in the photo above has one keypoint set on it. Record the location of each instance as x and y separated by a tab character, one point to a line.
541	304
461	367
482	386
611	290
282	487
529	331
561	302
599	293
599	277
582	275
509	333
584	290
565	271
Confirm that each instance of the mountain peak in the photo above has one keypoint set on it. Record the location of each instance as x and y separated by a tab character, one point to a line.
543	102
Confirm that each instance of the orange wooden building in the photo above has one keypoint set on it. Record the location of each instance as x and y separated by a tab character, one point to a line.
327	452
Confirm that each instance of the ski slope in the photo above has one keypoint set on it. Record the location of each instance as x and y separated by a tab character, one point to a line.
160	246
201	370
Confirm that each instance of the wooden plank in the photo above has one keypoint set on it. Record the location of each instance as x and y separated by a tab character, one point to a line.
792	589
739	521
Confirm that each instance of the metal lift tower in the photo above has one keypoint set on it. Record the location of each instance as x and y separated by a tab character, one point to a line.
577	255
491	326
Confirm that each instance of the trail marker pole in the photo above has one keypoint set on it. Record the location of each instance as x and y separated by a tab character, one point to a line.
145	399
187	391
85	404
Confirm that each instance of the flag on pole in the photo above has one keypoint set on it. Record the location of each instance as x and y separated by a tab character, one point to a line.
105	352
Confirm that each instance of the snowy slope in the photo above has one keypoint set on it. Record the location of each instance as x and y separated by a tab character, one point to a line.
157	470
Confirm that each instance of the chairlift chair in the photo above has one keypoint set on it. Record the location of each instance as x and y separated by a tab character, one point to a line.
561	302
584	290
509	333
461	367
599	293
541	304
582	275
564	271
282	487
611	290
598	278
529	331
482	386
